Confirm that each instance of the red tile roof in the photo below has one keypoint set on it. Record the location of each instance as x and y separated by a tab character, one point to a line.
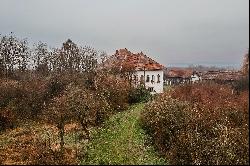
179	73
126	60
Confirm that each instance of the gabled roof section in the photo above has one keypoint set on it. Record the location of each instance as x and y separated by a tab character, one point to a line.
180	73
126	60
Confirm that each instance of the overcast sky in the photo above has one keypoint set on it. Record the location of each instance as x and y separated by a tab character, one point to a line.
169	31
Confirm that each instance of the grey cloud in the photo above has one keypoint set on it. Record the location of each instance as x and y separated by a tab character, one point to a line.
170	31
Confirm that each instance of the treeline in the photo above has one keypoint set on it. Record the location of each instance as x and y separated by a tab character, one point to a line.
15	55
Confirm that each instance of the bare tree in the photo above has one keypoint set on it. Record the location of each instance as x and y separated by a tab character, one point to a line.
72	58
14	54
58	114
40	57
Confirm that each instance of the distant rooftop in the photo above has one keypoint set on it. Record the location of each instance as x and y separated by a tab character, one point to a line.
222	75
182	73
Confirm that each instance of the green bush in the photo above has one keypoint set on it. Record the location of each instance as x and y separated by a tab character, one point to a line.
139	94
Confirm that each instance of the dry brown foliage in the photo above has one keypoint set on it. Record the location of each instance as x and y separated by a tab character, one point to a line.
114	89
205	124
27	147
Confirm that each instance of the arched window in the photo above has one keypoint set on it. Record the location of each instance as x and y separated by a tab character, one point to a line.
148	78
151	89
158	78
153	79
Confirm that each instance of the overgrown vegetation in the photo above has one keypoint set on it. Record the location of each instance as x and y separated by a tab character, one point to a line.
38	143
55	87
200	124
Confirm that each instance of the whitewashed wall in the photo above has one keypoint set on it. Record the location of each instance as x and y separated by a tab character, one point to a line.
158	87
195	78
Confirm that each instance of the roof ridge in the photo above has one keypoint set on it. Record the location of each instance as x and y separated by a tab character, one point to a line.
136	61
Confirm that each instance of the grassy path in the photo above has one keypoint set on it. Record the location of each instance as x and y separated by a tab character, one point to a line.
121	141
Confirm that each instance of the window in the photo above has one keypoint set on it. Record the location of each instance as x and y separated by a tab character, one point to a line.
150	89
142	79
148	78
153	79
134	77
158	78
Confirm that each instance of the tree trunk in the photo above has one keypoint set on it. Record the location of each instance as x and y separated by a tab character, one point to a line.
61	133
61	138
84	127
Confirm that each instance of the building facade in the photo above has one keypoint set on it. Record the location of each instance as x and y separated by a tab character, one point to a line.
152	80
142	69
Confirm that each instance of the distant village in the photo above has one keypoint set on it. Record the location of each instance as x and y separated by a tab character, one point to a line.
185	75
